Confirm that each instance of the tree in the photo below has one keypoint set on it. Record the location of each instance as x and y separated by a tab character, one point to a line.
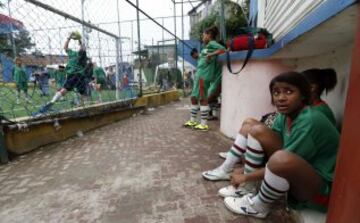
235	18
22	42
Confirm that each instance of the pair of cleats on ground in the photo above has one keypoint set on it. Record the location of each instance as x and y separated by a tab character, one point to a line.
238	200
196	126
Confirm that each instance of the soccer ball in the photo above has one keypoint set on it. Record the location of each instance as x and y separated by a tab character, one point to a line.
75	35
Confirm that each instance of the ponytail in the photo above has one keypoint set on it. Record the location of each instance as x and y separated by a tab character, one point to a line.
325	79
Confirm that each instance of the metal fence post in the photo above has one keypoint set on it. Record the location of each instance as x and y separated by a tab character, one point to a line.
139	47
11	32
3	153
117	84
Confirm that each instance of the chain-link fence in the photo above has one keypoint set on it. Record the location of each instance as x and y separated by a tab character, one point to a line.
83	50
52	61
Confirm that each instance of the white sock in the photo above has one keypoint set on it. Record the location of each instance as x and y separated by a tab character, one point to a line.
272	188
204	112
194	111
254	156
235	153
100	98
56	97
215	112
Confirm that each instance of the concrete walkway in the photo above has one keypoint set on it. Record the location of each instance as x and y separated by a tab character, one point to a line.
145	169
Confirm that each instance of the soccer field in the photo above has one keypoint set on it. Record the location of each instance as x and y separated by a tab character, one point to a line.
10	108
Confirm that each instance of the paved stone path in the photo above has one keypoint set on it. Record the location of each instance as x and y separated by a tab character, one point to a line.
146	169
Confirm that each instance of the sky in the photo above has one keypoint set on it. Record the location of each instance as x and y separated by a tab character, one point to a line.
49	30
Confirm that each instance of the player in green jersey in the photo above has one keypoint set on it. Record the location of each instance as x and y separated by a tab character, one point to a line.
301	148
205	73
21	80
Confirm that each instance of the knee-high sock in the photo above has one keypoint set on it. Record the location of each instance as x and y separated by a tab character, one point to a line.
235	153
254	156
272	188
56	97
194	112
204	112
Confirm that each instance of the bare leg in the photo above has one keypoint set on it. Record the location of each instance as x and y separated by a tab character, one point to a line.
304	180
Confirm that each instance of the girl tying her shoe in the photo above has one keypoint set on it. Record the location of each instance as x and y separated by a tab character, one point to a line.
301	148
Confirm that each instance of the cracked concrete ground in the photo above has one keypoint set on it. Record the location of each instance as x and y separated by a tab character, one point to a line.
143	169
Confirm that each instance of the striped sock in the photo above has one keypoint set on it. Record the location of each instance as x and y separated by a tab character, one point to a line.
235	153
194	112
272	188
254	156
204	112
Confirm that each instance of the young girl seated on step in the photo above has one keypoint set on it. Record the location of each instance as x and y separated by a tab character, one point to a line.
320	80
301	148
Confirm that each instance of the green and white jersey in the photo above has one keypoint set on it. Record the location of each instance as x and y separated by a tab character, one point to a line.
311	136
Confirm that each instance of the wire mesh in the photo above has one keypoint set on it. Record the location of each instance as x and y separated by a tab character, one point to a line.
36	37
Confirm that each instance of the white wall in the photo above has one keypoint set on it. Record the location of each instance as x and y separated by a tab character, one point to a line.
340	60
247	94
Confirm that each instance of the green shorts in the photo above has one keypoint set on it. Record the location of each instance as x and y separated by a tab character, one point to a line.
215	89
22	86
200	88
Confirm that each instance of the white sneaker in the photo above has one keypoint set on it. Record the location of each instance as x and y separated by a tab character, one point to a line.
216	174
223	154
228	191
231	191
246	206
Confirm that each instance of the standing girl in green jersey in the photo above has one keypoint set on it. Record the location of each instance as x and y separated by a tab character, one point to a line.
21	80
207	70
301	146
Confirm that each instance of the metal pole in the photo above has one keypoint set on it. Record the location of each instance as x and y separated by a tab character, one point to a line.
117	84
119	29
175	54
222	22
100	50
60	45
68	16
157	23
82	25
163	45
183	46
11	32
3	153
139	46
132	42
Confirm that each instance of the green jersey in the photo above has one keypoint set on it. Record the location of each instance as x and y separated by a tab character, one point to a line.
60	77
324	108
209	70
19	75
73	65
99	74
208	74
311	136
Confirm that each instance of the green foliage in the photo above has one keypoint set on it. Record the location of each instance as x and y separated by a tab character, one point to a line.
22	42
234	19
